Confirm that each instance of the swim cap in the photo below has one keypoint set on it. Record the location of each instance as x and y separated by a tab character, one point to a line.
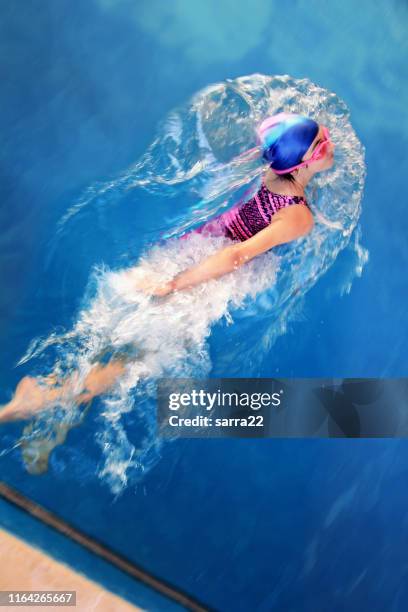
285	138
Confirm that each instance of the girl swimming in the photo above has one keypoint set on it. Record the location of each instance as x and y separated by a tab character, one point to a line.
296	148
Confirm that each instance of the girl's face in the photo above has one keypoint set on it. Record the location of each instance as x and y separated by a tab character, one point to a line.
321	151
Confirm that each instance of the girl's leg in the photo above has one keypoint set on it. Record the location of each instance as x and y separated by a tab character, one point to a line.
100	379
32	395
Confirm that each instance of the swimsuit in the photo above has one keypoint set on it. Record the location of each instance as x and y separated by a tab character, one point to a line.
245	220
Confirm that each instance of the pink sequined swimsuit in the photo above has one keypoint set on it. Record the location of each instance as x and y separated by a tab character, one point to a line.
243	221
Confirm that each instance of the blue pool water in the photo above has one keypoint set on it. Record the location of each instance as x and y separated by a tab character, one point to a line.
243	525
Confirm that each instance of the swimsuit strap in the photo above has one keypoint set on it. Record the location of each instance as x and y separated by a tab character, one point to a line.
275	198
286	197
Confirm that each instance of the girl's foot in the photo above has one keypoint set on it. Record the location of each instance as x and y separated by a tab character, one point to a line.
37	445
31	395
35	394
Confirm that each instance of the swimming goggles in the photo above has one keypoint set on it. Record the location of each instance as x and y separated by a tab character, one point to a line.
318	153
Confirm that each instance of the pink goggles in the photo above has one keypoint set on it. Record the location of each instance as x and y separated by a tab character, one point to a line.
319	152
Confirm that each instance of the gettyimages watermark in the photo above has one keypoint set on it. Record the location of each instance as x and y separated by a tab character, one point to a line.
271	407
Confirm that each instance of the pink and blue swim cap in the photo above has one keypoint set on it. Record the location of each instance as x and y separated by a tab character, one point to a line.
285	138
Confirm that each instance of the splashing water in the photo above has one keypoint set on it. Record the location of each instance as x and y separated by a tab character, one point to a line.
198	156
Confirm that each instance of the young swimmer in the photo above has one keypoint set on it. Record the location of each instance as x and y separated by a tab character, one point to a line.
296	148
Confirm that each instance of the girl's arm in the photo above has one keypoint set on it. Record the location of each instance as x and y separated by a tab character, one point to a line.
288	224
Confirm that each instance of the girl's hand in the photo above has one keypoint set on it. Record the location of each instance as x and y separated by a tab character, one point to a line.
151	287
